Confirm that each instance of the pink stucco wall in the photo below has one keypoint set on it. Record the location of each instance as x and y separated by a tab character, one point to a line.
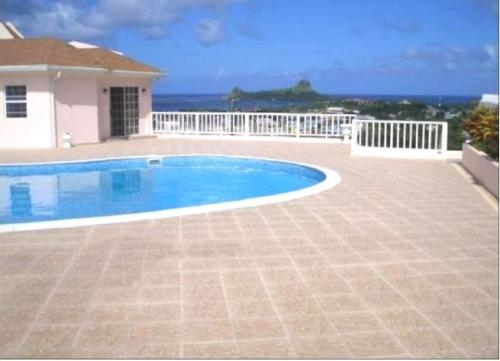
79	106
76	108
34	131
145	102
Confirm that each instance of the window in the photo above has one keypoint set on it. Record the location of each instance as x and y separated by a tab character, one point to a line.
15	101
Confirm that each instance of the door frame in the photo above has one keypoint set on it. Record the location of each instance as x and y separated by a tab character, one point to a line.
129	112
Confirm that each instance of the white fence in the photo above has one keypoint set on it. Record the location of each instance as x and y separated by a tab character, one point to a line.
399	138
250	124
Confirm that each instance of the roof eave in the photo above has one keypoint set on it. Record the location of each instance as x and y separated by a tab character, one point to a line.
46	68
153	74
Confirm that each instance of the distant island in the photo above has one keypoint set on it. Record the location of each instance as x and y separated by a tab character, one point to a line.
303	91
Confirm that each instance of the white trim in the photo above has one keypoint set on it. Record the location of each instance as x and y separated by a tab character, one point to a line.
12	28
85	69
254	138
46	67
332	178
137	73
80	45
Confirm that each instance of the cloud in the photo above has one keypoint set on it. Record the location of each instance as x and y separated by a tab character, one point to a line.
209	32
478	60
73	19
222	73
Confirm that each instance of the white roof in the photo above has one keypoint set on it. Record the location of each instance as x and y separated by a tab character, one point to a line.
489	100
9	31
80	45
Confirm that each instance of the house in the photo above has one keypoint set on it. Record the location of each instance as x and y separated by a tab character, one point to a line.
49	87
335	110
489	101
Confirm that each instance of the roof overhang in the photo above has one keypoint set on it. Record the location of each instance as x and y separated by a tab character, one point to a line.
47	68
137	73
76	69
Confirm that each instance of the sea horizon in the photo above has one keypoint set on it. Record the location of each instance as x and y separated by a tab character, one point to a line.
216	101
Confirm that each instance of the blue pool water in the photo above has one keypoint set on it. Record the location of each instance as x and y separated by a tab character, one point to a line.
30	193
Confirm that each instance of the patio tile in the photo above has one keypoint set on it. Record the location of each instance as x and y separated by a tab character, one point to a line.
273	348
353	322
426	342
116	295
104	335
162	351
111	351
384	300
146	312
466	294
321	347
372	344
105	313
10	337
348	302
155	333
449	314
309	325
62	315
404	318
250	308
391	270
210	350
482	311
46	341
258	328
212	330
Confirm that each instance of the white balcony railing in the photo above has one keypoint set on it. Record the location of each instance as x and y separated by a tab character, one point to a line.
399	138
250	124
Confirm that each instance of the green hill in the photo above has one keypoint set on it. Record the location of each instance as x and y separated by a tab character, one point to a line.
300	92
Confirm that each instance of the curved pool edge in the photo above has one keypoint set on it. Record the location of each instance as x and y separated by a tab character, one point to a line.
332	178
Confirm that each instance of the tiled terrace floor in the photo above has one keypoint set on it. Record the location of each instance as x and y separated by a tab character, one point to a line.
399	260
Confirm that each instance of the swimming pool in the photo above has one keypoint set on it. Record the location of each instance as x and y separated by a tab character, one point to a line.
113	190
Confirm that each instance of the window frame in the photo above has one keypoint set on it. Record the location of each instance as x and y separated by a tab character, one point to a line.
20	100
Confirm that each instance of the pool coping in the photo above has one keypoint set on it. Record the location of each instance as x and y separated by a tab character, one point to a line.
332	179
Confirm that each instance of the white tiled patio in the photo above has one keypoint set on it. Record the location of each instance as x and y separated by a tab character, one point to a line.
399	260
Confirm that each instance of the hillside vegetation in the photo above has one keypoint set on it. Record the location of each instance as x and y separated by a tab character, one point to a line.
303	91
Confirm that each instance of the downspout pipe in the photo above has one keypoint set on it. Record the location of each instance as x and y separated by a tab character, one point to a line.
53	112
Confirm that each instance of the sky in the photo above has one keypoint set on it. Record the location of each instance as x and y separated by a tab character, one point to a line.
410	47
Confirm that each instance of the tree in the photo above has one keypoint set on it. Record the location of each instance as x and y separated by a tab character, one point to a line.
482	127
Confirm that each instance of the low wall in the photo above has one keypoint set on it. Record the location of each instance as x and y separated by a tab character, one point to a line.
482	167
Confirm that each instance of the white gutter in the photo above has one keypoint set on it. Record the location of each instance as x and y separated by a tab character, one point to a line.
53	112
46	67
85	69
137	73
12	28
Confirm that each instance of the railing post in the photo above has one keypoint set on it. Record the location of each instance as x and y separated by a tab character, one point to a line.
247	124
354	134
196	123
444	140
297	127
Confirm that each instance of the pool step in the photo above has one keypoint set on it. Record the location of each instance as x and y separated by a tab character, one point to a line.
154	161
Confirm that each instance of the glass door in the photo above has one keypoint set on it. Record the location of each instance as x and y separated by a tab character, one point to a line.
124	111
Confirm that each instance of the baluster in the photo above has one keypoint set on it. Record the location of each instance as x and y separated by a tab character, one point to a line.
436	137
404	135
392	135
397	135
373	134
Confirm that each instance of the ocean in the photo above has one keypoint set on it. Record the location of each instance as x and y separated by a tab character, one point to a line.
199	102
